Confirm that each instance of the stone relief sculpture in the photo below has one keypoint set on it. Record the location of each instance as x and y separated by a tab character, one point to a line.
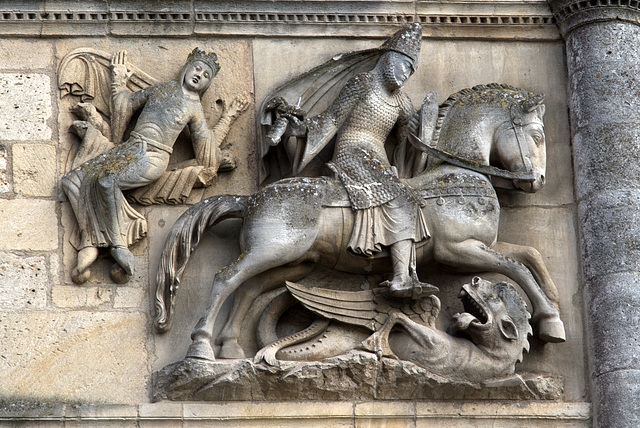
105	165
369	219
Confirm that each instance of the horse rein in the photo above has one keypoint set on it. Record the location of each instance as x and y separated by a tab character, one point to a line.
482	169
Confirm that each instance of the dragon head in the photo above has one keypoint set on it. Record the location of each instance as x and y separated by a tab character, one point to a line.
495	316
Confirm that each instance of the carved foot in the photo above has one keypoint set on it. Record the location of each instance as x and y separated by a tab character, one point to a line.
378	343
230	349
413	289
124	257
201	351
118	275
551	330
80	277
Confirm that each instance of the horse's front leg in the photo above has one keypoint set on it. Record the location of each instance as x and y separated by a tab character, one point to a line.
473	255
245	297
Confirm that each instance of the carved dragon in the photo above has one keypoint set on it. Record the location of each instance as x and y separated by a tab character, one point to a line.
487	339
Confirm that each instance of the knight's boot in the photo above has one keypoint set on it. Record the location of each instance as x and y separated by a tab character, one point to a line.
413	288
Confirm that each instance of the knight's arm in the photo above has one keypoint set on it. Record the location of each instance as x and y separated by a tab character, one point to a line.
324	126
402	134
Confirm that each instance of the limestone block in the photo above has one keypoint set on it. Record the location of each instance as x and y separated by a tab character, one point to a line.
77	356
70	296
26	54
128	297
34	169
28	225
25	106
23	282
5	186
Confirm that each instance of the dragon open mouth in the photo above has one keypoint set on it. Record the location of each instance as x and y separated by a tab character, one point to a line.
472	307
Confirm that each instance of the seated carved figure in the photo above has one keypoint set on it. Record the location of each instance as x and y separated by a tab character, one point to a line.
94	188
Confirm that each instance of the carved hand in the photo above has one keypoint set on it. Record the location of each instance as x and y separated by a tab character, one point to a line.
238	105
119	69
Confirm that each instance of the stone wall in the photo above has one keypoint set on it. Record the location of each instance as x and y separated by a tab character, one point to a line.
64	345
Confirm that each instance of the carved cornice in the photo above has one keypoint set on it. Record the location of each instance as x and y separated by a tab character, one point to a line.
506	19
571	14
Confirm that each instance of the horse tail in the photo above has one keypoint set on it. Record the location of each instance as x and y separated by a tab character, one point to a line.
183	239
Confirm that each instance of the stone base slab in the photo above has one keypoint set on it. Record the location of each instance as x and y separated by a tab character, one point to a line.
353	376
295	414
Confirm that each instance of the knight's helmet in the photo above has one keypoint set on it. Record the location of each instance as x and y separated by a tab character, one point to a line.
209	58
407	41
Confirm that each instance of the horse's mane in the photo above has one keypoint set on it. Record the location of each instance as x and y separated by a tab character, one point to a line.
491	93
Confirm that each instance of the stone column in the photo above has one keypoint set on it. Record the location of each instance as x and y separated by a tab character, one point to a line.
603	58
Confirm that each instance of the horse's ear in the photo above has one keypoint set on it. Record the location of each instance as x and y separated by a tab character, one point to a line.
508	328
535	103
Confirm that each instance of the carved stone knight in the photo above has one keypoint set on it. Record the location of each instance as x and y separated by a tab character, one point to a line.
94	188
366	111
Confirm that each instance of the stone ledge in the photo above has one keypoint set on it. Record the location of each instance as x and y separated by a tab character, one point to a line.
346	413
448	19
352	376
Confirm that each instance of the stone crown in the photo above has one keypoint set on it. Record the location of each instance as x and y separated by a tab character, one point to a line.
209	58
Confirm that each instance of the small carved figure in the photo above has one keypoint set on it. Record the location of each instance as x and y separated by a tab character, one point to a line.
95	187
369	107
487	340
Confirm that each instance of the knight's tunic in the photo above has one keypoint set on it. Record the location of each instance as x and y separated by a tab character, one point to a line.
362	118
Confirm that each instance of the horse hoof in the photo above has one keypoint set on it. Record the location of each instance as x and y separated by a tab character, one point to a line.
231	350
118	275
551	330
80	277
201	351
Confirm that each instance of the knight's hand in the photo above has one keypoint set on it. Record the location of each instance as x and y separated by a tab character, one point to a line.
297	127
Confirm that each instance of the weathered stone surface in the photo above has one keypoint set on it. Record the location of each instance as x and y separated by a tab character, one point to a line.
26	54
28	225
355	376
23	282
73	296
128	297
5	186
34	169
25	106
613	308
611	232
617	399
75	356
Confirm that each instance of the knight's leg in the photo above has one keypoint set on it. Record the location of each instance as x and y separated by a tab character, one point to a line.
245	297
475	256
405	282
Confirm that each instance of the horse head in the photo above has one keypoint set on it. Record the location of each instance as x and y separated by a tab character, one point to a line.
495	318
497	125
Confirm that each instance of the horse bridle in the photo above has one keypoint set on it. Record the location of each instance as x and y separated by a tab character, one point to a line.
527	175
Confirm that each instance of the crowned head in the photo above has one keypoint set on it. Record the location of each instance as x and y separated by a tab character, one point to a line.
201	67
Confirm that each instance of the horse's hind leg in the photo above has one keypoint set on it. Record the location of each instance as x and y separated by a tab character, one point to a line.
245	297
532	259
475	256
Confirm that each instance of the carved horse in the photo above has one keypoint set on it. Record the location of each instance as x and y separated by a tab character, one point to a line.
295	223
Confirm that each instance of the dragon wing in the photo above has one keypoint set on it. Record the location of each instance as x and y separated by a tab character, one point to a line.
313	91
350	307
86	73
